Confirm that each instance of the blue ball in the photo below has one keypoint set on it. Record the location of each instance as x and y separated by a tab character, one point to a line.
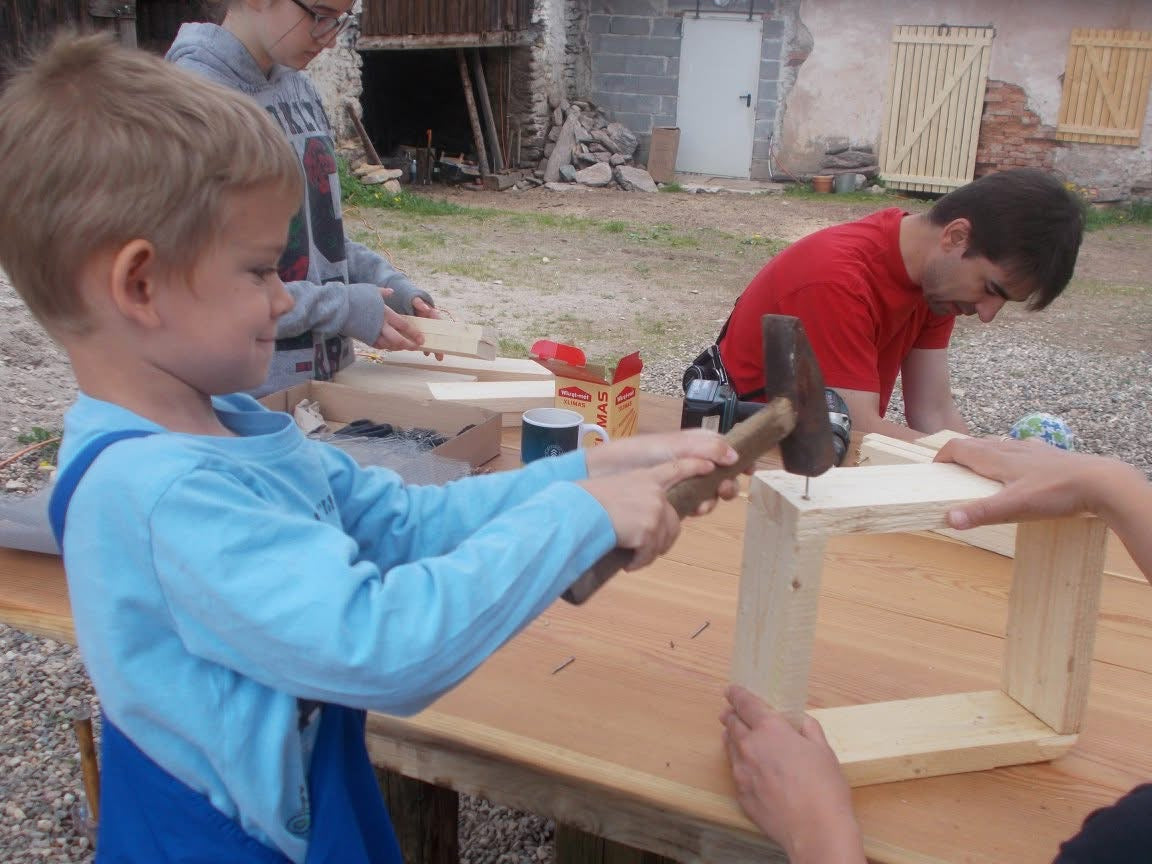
1044	427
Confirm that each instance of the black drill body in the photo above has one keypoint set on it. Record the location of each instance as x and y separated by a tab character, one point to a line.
712	405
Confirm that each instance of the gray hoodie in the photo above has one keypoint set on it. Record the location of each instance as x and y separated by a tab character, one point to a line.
336	283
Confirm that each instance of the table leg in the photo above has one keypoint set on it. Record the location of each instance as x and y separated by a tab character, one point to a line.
574	846
425	818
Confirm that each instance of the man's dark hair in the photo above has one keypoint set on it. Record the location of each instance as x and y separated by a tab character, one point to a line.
1023	220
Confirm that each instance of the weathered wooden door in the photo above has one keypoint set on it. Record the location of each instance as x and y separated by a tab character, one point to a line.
936	83
1106	85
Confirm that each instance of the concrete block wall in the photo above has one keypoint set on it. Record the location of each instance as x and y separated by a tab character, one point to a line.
633	66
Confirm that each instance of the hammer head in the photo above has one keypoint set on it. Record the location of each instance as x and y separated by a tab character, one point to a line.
791	372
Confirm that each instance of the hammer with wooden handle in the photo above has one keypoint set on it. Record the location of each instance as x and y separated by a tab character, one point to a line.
794	417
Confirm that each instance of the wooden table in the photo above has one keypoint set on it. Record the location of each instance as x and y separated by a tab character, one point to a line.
624	742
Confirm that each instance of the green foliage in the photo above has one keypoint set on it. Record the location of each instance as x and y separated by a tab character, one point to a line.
1135	213
671	187
513	348
48	452
356	194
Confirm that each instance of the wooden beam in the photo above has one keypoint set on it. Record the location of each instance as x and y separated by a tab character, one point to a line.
486	110
1052	618
442	336
911	738
370	153
497	369
510	398
473	118
776	615
501	39
396	380
938	439
873	500
878	449
425	818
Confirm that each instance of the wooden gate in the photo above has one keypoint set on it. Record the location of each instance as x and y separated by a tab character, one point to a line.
1106	86
936	82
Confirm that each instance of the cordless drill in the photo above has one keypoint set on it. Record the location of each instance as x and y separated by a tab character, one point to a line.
712	405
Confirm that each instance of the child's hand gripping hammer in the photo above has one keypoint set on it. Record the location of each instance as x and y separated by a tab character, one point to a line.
795	418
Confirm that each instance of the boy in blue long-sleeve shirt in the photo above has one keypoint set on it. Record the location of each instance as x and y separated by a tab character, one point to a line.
241	594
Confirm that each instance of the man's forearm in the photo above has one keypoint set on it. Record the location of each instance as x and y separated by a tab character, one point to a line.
1125	500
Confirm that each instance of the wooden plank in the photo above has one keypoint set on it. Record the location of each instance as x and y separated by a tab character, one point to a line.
510	398
905	739
574	846
779	595
497	369
938	439
424	816
35	595
1052	618
442	336
397	380
873	500
1106	83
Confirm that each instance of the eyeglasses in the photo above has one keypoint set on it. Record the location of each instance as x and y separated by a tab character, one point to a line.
325	26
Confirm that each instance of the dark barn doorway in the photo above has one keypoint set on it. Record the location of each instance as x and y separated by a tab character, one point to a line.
406	93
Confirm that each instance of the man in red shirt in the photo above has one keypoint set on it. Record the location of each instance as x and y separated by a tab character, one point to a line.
878	297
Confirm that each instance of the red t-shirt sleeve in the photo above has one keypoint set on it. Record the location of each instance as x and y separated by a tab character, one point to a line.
842	331
936	332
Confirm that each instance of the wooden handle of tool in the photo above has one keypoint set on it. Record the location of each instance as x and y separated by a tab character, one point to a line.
89	768
750	439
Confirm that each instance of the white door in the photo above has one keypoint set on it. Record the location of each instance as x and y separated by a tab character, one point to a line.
716	106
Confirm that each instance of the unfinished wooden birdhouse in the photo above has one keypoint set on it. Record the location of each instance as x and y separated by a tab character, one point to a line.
1053	602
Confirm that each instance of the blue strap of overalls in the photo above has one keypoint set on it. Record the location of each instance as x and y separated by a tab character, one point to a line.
147	816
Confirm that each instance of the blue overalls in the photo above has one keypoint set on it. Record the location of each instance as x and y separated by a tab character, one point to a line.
147	816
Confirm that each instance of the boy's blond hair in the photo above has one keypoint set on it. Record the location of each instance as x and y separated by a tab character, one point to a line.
101	145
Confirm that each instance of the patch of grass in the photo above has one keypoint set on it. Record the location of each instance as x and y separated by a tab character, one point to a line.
512	348
671	187
805	191
1135	213
652	326
1099	288
774	245
355	193
662	235
480	271
47	453
614	226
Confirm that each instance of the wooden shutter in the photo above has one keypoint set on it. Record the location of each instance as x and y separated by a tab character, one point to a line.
936	82
1106	85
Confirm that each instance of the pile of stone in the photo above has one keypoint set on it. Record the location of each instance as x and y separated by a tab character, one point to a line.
378	175
585	148
858	160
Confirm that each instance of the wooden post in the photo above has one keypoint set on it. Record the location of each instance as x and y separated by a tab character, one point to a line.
779	593
425	818
486	110
369	150
473	117
1052	618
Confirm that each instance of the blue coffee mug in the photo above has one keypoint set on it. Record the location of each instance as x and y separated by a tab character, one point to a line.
553	432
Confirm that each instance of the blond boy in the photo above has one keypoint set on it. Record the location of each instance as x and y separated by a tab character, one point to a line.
241	594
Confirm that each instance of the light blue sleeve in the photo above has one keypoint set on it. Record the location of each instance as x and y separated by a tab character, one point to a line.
394	523
291	601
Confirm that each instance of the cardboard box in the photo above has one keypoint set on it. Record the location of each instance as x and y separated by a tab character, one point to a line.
474	433
662	153
608	398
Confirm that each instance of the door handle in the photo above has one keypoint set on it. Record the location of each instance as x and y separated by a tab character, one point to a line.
747	97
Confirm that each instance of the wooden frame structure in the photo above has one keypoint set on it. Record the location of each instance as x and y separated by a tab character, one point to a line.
1053	603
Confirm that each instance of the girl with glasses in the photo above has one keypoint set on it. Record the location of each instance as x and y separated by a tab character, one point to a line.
342	290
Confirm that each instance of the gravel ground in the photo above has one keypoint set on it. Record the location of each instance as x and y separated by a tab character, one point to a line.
1025	363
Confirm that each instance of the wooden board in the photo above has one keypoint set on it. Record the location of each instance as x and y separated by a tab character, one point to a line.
510	398
452	337
397	380
498	369
876	449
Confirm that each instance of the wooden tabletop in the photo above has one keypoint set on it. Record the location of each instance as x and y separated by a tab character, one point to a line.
624	741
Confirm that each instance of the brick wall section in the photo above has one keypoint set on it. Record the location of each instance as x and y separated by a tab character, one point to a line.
1011	135
634	61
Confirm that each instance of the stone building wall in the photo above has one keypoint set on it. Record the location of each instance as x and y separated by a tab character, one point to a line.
336	74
